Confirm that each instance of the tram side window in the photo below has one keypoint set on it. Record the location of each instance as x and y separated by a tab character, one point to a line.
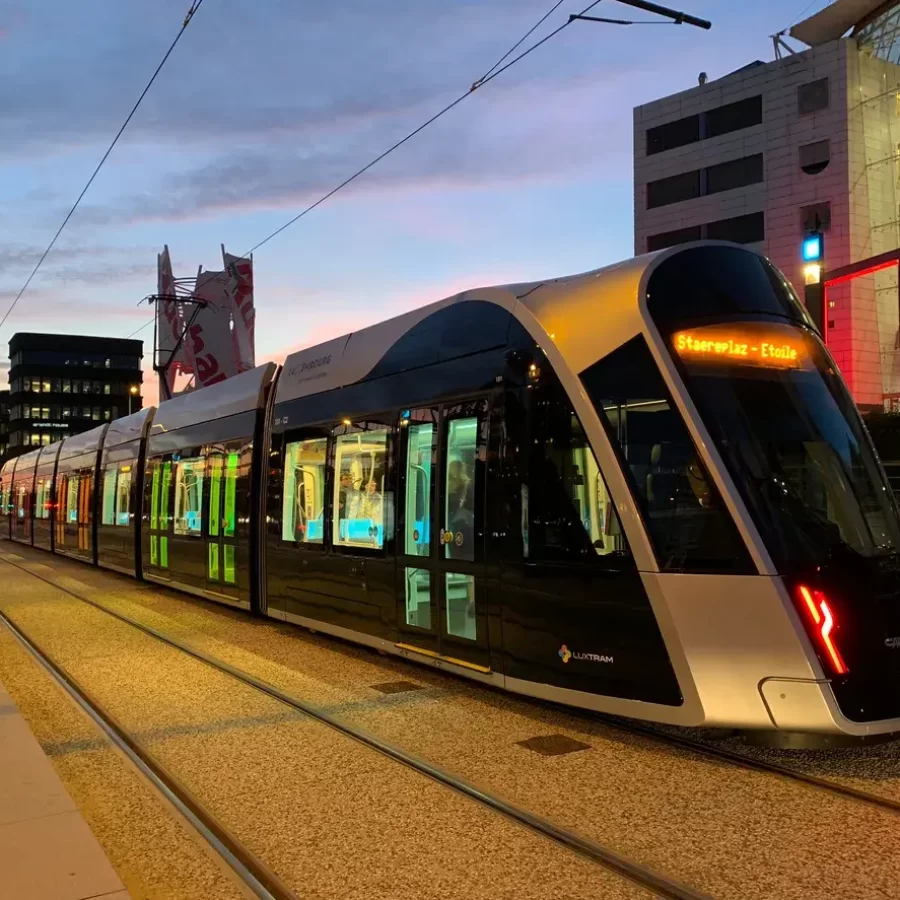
23	496
123	497
687	521
361	496
42	500
303	497
72	499
189	475
108	512
566	505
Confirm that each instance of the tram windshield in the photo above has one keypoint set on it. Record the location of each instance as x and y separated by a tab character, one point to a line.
792	438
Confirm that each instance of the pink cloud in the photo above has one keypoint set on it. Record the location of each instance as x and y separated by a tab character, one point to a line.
334	324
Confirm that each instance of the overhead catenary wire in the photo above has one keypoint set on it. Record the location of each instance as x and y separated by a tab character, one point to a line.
430	121
195	5
522	39
494	72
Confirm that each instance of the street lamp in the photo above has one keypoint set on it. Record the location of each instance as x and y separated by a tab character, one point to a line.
132	392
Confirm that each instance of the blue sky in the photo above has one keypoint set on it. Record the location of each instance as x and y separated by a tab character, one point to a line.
264	107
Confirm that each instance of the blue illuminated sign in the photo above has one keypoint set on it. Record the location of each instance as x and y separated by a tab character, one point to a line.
812	248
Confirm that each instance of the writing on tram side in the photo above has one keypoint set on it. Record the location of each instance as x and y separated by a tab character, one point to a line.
565	654
753	349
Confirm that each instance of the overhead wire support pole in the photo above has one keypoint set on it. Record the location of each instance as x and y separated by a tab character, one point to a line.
679	18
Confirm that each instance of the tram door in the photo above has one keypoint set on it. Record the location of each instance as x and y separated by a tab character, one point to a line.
221	538
442	601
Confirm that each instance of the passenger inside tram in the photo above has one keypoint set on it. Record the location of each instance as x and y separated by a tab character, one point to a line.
361	517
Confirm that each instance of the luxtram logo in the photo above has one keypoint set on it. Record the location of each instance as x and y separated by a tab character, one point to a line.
565	654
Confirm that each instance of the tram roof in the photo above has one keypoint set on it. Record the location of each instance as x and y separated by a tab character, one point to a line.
553	310
128	428
86	442
238	394
27	461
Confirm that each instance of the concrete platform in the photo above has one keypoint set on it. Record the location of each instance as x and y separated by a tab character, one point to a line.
47	851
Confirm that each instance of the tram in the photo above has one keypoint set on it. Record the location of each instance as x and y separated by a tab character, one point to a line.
644	490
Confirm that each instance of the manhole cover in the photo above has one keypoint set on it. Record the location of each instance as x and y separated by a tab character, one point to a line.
553	745
396	687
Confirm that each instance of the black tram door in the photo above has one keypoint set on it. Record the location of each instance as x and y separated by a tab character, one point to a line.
221	536
442	602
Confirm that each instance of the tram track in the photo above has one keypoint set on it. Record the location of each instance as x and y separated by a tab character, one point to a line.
251	870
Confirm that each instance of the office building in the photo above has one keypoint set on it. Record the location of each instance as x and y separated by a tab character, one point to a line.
66	384
4	425
762	155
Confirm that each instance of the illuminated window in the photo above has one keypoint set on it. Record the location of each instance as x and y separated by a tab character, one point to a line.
303	512
686	519
42	499
71	510
232	462
189	496
360	488
566	505
123	497
108	511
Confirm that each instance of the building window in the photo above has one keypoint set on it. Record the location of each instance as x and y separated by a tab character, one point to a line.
734	174
95	414
813	96
733	117
749	229
107	388
673	189
671	238
359	490
673	134
815	157
816	217
303	514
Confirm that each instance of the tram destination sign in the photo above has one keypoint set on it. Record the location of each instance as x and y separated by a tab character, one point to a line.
775	349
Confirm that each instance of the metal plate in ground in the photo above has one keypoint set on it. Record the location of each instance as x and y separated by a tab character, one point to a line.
553	745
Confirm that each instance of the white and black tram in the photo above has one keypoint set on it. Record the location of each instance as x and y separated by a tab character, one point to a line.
643	490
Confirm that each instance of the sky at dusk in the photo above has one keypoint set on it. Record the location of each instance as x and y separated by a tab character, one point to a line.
263	107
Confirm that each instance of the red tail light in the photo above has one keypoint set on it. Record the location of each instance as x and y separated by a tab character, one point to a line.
819	611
